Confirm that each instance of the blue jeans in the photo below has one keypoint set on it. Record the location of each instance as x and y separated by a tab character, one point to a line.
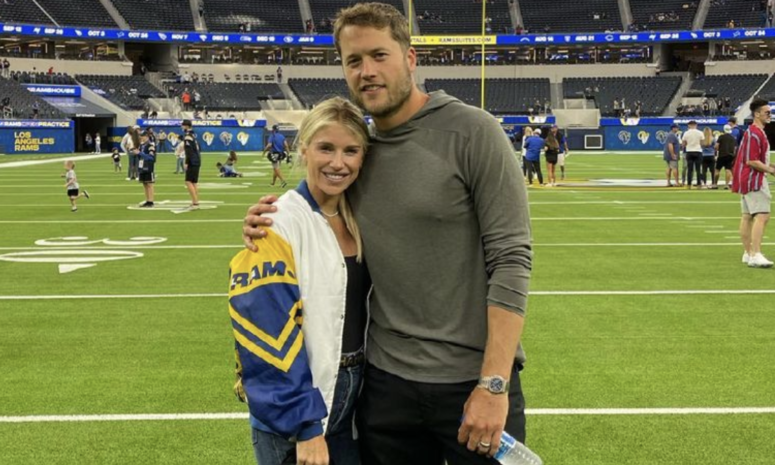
271	449
179	166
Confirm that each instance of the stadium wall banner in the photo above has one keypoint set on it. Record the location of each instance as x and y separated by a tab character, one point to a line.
629	138
202	123
328	41
53	90
663	121
36	138
527	120
211	138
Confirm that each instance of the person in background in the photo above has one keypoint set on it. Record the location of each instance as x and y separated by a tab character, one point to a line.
89	143
533	147
709	159
276	150
227	171
162	141
146	167
564	151
97	143
737	131
192	163
72	187
692	143
130	144
316	242
749	179
527	132
180	157
551	154
671	153
725	146
116	160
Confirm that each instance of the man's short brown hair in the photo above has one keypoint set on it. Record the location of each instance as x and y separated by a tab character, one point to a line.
376	15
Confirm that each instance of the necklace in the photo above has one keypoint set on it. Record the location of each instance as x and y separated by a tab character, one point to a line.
330	215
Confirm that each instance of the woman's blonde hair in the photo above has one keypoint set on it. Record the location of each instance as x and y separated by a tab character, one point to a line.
527	132
338	111
708	136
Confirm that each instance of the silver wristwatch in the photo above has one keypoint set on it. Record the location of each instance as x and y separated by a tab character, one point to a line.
494	384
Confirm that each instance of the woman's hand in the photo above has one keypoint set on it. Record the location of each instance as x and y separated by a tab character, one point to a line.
312	452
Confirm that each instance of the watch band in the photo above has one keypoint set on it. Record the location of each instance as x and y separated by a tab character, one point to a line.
494	384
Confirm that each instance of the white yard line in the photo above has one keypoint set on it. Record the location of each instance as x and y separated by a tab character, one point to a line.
529	411
532	293
76	158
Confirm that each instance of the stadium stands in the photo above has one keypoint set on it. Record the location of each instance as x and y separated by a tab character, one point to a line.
127	92
312	91
262	16
746	13
23	12
768	91
172	15
239	96
586	16
657	15
23	77
22	102
655	93
461	17
738	88
324	12
502	96
78	13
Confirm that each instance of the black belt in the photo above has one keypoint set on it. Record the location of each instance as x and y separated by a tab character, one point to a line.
352	360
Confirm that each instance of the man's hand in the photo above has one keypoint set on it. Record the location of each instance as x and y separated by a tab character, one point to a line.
483	422
312	452
254	223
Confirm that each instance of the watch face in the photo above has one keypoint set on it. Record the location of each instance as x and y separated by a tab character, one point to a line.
496	385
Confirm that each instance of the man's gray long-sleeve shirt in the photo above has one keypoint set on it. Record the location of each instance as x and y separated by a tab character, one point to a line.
443	210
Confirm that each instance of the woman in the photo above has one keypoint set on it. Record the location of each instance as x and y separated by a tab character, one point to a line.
552	154
298	304
130	144
708	159
526	132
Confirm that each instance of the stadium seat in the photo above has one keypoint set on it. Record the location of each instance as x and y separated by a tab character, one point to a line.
461	17
586	16
311	91
655	93
738	88
746	13
128	92
502	96
78	13
22	101
157	14
657	15
275	16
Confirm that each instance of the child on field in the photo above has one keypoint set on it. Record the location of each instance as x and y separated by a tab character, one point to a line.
227	171
116	161
71	184
146	167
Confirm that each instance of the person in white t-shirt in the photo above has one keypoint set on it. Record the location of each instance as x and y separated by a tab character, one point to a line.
692	143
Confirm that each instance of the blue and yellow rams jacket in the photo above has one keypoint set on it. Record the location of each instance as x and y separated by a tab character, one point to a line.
287	307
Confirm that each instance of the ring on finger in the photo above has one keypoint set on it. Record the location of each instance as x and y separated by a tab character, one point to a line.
484	445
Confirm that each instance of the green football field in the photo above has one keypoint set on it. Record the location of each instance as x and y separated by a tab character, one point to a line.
648	341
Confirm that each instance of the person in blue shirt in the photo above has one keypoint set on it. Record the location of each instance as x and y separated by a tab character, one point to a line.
276	150
227	171
671	153
737	131
533	146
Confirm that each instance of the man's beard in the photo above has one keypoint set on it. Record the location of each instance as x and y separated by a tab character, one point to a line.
395	99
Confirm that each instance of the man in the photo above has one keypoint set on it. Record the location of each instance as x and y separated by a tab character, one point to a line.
564	152
671	153
533	146
440	199
276	150
725	146
749	179
737	131
191	163
692	143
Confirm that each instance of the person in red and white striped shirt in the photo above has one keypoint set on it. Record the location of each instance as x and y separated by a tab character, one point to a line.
749	179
